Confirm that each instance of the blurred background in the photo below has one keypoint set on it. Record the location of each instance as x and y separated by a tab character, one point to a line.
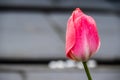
32	40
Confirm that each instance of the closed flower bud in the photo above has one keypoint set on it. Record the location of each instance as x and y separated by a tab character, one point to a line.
82	38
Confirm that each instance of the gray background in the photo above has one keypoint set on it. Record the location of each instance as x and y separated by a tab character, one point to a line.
35	30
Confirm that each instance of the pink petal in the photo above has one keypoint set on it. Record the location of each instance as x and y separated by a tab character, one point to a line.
70	36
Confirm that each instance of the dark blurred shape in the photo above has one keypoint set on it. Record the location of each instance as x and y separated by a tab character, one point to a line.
62	5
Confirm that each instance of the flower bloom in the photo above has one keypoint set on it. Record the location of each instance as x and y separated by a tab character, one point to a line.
82	38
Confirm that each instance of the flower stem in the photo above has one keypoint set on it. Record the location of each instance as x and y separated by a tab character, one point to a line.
87	70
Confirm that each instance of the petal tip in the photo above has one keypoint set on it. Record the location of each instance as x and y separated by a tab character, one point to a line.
79	10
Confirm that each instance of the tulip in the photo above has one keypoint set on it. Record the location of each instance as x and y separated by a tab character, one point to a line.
82	38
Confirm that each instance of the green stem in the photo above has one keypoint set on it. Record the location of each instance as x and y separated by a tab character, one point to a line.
87	70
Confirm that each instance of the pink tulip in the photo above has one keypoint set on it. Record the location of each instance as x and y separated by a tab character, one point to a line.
82	38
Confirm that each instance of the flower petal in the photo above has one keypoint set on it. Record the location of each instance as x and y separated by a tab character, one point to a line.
78	48
70	36
91	33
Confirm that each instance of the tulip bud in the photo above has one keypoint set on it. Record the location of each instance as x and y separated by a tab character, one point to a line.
82	38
